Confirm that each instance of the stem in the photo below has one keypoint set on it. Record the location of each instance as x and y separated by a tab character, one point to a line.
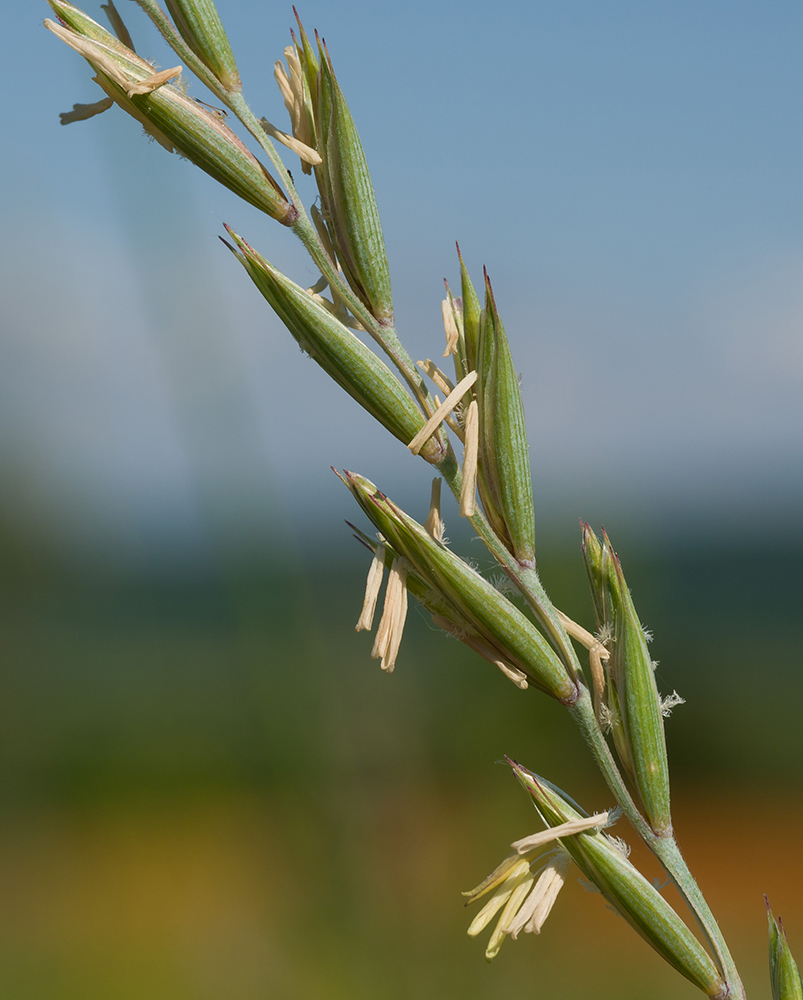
668	853
664	848
239	106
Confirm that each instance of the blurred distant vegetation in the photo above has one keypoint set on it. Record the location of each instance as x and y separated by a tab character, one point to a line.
254	677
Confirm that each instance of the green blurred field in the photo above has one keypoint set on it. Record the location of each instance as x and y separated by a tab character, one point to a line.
209	790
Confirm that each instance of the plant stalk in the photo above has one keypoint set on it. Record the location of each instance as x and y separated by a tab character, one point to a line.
664	848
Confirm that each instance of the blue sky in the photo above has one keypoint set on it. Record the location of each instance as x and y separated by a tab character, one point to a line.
630	173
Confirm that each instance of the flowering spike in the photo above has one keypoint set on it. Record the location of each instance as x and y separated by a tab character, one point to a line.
468	598
174	120
639	704
199	24
347	194
341	354
602	862
784	975
504	452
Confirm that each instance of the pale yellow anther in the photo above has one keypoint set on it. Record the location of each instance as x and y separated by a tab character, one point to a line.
301	149
597	653
525	901
595	657
517	897
152	83
513	877
536	908
291	85
545	903
394	642
283	82
443	382
468	489
445	407
518	678
96	54
450	328
394	615
434	523
577	631
382	636
372	586
527	844
488	912
513	864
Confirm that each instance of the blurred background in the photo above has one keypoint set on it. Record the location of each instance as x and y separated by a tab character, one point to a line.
207	788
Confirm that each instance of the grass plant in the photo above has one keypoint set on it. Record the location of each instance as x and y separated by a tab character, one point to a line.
467	422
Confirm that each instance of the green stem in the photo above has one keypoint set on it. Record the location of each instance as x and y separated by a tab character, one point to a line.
664	848
668	853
